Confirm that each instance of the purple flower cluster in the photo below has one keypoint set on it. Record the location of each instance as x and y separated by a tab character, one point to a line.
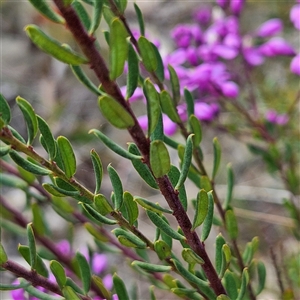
295	19
279	119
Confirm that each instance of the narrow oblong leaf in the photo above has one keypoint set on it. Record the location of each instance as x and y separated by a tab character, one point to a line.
38	219
117	186
85	272
98	169
69	293
12	287
133	71
191	257
99	283
58	272
49	140
140	19
141	167
162	249
67	156
230	184
162	225
175	84
160	70
95	233
230	284
82	14
27	165
151	206
168	107
220	241
3	256
186	163
159	158
131	208
261	272
137	242
4	150
102	205
115	113
40	295
53	47
217	157
57	191
97	216
108	14
120	287
47	11
244	284
151	267
16	134
96	16
196	129
121	4
209	218
118	48
70	282
5	113
201	209
13	181
189	99
231	224
147	54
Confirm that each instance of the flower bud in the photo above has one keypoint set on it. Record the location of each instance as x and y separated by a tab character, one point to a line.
230	89
269	28
295	65
295	15
276	46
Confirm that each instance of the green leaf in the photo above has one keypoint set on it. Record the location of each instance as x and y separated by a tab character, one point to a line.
133	71
148	54
58	272
189	99
158	132
230	285
67	156
131	207
231	224
3	256
226	257
48	137
184	293
108	14
47	11
162	249
38	294
160	70
217	157
5	113
102	205
161	224
230	184
151	206
70	282
4	150
118	48
151	267
205	183
16	134
223	297
151	290
261	272
186	163
220	241
12	287
95	233
159	158
115	113
153	106
134	240
85	272
121	4
99	283
54	190
98	169
191	257
82	77
70	294
201	209
38	219
175	84
120	287
82	14
140	19
13	181
53	47
117	186
244	284
97	216
96	16
209	218
168	107
27	165
141	167
196	129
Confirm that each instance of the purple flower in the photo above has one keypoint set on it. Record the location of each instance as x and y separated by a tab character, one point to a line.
185	35
203	15
205	112
295	65
64	247
229	89
108	281
276	46
137	95
232	40
99	263
273	117
225	52
295	16
253	56
169	126
222	3
18	294
269	28
236	6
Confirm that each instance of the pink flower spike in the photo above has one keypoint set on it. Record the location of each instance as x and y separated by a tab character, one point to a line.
295	65
277	46
99	263
230	89
295	16
269	28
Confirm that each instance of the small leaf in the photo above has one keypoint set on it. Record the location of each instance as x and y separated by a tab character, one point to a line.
98	169
205	183
69	293
38	294
46	11
117	186
151	290
120	287
133	71
96	16
191	257
189	99
209	218
159	158
230	184
99	283
38	219
168	107
102	205
53	47
162	249
118	48
175	84
141	167
160	70
70	282
82	14
5	113
16	134
85	272
131	208
98	217
48	137
3	256
121	4
230	284
140	19
4	150
231	224
58	272
151	206
53	190
196	129
147	54
226	257
134	240
261	271
115	113
67	156
151	267
186	163
184	293
223	297
12	181
95	233
244	284
108	14
27	165
161	224
201	209
220	241
12	287
217	157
